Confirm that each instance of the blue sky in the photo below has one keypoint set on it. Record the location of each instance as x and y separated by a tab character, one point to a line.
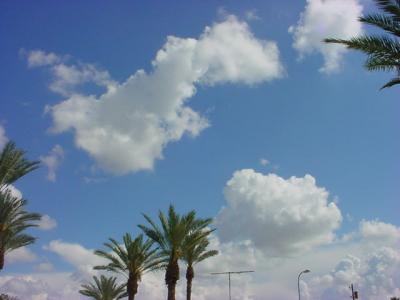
333	124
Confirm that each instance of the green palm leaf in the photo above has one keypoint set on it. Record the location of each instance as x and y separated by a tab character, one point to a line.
14	220
383	51
195	251
171	235
132	259
104	289
382	21
13	164
391	7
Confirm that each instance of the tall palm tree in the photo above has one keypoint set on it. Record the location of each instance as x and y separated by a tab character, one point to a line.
104	288
13	221
7	297
194	251
383	51
170	238
133	259
14	165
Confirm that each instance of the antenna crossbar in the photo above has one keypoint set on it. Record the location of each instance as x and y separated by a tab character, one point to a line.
229	277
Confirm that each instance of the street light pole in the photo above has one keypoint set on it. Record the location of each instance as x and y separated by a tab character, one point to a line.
298	280
229	277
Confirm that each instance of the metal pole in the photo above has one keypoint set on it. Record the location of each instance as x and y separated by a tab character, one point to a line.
352	292
298	280
229	276
298	284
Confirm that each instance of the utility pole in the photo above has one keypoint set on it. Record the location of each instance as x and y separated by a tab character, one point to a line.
229	277
354	294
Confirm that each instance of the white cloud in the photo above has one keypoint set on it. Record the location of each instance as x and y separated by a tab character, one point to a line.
47	223
325	19
281	216
81	258
20	255
52	161
375	277
39	58
252	15
376	231
67	77
264	162
41	286
3	137
44	267
127	128
229	52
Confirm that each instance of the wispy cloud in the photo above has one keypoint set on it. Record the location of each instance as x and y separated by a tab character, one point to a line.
47	223
52	161
3	137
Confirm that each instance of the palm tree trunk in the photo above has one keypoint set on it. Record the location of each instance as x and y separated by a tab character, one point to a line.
171	292
189	279
171	278
2	254
132	286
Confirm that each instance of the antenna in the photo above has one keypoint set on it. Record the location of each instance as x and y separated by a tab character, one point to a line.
229	277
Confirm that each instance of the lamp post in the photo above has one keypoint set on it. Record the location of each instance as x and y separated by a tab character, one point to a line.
298	280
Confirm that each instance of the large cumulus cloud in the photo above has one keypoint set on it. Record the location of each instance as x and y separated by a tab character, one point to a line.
126	128
281	216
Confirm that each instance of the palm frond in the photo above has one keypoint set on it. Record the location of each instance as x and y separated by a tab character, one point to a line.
382	21
136	256
374	63
13	164
383	51
382	46
104	289
14	220
391	83
392	8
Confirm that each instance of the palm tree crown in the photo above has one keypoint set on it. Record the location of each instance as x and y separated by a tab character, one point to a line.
13	221
104	289
193	253
171	236
13	164
383	51
197	252
133	259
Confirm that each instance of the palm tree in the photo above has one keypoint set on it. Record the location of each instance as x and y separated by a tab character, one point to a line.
132	259
170	238
13	221
383	51
194	251
104	289
13	165
7	297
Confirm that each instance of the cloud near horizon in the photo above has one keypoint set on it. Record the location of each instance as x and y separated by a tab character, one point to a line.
264	208
127	128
